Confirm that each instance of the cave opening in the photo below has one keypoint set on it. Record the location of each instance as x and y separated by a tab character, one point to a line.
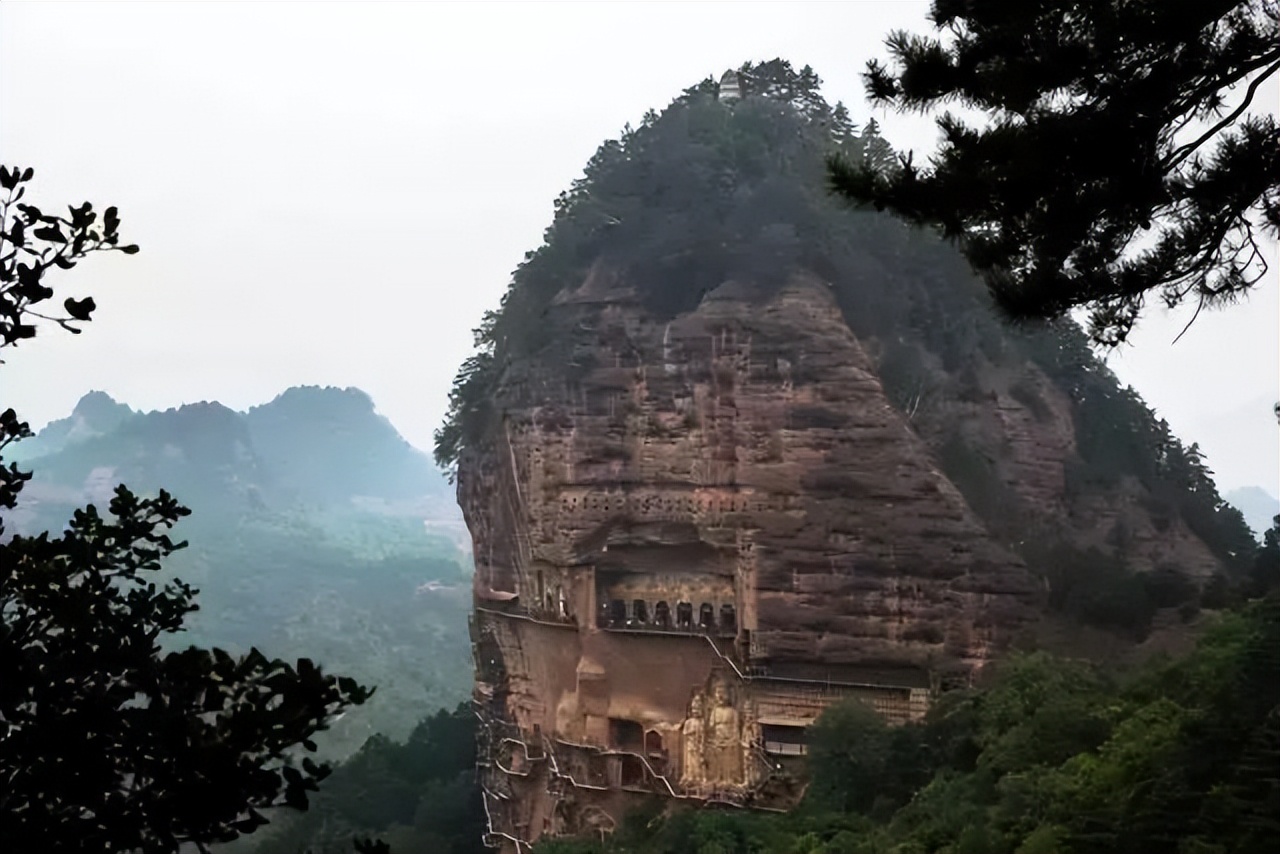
706	616
626	735
728	619
784	740
632	771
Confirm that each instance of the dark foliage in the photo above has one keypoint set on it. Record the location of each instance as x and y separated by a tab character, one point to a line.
1049	757
33	243
862	765
107	743
1265	574
419	795
1113	165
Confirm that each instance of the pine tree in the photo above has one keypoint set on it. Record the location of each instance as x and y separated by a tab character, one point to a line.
1118	161
843	128
877	155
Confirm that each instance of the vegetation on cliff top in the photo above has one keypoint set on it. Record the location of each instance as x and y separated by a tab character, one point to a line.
714	189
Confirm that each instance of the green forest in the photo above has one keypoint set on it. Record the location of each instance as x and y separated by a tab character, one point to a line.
329	561
415	795
1050	756
394	617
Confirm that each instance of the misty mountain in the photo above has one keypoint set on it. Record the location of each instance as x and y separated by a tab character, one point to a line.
322	448
308	424
1258	506
316	531
200	452
96	414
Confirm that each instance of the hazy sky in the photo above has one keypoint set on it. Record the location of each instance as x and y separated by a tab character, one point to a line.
332	193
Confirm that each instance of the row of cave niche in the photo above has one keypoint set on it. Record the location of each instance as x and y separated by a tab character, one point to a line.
639	614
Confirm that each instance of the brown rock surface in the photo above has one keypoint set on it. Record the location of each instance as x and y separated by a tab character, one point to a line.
700	517
697	533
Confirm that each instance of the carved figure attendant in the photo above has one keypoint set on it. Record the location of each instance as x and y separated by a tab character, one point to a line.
692	773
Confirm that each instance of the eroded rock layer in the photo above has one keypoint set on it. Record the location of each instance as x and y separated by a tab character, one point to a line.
692	536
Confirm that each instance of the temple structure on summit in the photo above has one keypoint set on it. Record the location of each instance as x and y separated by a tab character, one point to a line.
730	86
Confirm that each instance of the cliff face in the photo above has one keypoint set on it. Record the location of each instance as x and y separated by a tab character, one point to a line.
717	527
729	452
1025	427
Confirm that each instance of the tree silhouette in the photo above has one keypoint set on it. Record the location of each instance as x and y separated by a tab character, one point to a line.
108	742
1118	160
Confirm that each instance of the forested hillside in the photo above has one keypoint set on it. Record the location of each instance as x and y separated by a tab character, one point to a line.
417	795
316	531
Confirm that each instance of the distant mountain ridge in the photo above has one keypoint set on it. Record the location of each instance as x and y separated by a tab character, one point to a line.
306	424
312	446
316	530
96	413
1258	506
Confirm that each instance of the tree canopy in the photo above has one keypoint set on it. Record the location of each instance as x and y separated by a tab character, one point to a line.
1047	756
419	795
706	191
107	742
1117	159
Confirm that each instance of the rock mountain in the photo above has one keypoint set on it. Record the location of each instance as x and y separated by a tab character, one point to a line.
729	452
310	446
306	537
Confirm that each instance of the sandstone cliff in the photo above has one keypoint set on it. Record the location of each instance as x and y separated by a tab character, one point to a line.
726	499
729	454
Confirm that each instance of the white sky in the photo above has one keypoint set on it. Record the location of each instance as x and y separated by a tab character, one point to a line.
332	193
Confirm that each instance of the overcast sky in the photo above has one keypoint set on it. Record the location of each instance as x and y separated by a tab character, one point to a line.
332	193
